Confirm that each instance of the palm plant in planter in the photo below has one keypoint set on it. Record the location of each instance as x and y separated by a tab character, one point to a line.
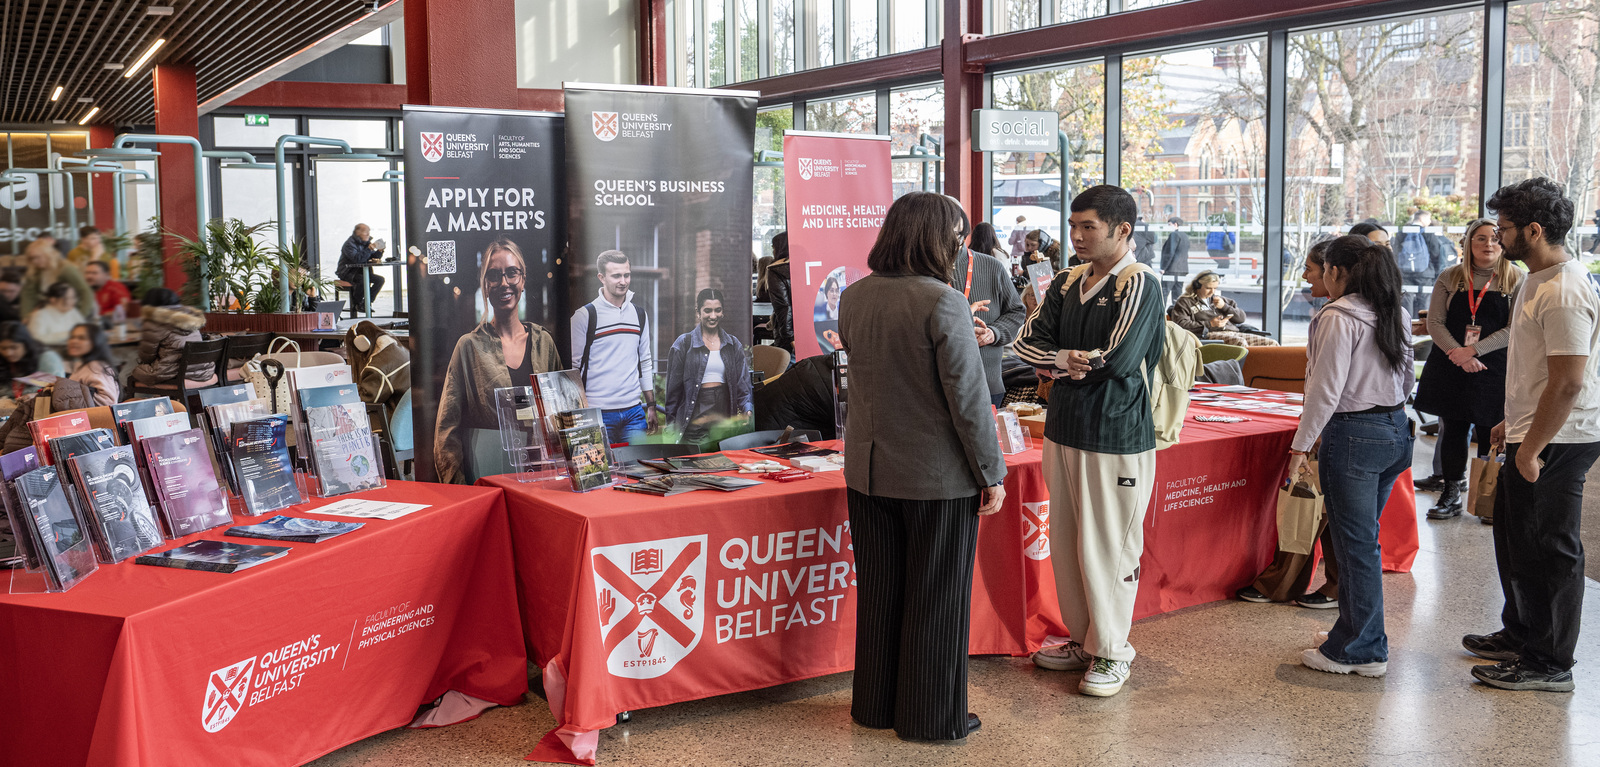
242	278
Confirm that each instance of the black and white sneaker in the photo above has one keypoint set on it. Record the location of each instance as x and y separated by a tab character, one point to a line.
1432	484
1496	646
1250	594
1317	600
1512	675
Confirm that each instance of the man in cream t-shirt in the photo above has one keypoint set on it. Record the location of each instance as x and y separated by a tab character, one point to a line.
1551	437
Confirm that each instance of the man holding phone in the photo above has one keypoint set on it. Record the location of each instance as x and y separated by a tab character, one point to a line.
360	249
1551	437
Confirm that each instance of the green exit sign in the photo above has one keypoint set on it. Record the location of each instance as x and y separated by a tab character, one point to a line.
255	120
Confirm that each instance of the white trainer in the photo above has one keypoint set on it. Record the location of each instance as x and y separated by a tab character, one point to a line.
1313	658
1066	657
1322	636
1105	678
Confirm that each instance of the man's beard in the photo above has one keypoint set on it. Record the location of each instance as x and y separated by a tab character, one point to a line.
1517	251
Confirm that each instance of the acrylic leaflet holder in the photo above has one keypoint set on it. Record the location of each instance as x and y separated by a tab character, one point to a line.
522	436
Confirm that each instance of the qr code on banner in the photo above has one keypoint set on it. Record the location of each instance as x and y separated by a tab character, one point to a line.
442	257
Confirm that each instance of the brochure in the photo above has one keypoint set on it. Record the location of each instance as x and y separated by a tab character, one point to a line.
50	427
260	459
188	495
341	440
125	412
12	465
588	457
214	556
124	524
296	529
364	508
793	450
65	553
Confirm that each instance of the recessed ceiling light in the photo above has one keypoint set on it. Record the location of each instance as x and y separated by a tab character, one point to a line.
159	10
56	94
84	99
113	66
90	116
59	122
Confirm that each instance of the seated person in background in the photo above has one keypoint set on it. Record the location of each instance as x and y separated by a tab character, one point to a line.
22	355
1205	312
91	363
168	327
52	321
10	290
360	249
46	267
109	294
91	247
802	397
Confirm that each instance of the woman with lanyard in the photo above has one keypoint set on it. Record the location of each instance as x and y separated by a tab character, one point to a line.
997	311
1464	379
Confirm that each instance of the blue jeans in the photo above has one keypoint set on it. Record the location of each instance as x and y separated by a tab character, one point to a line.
1362	455
621	425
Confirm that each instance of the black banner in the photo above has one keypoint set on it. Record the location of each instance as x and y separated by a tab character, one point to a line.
660	184
486	221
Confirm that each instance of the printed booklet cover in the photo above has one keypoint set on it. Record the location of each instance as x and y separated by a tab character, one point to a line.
588	457
148	428
260	459
214	556
12	465
50	427
64	550
186	488
296	529
124	524
124	412
341	440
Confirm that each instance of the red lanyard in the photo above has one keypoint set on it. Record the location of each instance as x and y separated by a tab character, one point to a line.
967	287
1473	302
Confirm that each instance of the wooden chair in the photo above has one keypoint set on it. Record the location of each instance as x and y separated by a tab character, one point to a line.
628	453
770	361
1282	368
344	286
195	353
242	347
768	437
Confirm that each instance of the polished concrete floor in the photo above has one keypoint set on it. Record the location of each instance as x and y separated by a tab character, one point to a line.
1218	684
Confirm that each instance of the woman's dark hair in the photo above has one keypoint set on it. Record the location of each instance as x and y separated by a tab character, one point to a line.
1372	272
160	297
58	290
1535	201
29	364
1366	227
984	239
99	346
1318	249
780	246
920	235
708	294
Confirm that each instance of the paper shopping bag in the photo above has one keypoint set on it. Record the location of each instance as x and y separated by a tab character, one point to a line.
1300	511
1482	482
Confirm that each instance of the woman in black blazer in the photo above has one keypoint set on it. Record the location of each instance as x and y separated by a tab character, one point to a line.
922	463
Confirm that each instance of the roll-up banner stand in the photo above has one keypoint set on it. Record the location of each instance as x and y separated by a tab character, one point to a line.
837	188
486	218
660	183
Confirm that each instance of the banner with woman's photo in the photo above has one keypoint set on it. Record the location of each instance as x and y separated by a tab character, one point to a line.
837	189
485	216
660	181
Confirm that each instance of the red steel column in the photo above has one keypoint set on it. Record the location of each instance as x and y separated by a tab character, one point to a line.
101	185
177	114
462	53
963	168
652	24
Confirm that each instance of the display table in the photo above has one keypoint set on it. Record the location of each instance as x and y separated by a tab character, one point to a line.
754	588
342	640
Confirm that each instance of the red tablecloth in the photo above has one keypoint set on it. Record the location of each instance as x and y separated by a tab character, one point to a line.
753	588
342	640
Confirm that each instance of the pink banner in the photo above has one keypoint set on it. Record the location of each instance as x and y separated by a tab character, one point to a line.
837	188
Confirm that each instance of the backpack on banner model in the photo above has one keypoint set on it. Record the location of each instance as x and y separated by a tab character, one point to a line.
1175	372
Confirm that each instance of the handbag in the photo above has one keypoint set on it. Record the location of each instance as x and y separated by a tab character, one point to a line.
1482	482
1300	509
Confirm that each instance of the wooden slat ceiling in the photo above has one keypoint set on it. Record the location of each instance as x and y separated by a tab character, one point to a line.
45	43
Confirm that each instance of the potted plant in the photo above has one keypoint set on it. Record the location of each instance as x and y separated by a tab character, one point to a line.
242	289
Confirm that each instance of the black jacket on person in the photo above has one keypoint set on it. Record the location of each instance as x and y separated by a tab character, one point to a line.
1144	244
352	253
1439	252
1175	253
802	397
778	293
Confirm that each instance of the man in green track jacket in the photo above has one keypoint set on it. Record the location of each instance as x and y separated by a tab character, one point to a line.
1098	331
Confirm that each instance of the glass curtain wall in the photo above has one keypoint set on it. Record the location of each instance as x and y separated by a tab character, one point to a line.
1194	157
769	202
916	125
1383	123
1025	187
850	114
